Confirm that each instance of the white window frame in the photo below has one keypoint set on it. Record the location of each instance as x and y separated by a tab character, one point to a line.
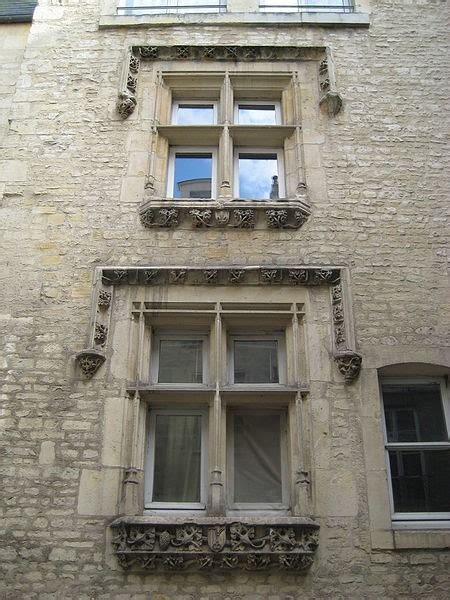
275	103
252	336
265	507
154	358
172	7
193	103
297	6
411	520
150	462
252	150
171	169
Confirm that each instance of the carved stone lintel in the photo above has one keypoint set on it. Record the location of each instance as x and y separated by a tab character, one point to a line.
349	364
210	275
177	275
215	545
271	275
236	275
90	361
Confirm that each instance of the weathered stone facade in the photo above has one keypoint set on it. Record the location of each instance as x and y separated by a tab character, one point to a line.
74	178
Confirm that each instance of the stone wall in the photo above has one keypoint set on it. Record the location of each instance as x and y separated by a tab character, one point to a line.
378	176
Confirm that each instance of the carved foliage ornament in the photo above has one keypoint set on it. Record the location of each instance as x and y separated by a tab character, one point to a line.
215	546
89	362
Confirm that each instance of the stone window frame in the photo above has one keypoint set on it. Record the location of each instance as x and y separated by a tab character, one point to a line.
277	69
150	541
402	362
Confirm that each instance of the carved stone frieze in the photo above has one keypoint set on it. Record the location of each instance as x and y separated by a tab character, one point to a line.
215	544
349	364
262	214
90	361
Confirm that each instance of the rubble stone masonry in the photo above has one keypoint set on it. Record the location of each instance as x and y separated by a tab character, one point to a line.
72	177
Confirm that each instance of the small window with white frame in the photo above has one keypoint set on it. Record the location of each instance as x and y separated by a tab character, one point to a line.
259	173
256	359
179	359
257	112
257	460
192	172
176	469
417	426
194	112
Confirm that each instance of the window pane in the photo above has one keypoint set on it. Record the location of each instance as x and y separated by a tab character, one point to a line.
195	114
420	480
256	361
180	361
414	413
306	5
257	459
177	458
193	175
257	114
256	172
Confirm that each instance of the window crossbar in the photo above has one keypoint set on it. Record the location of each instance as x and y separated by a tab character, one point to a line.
126	7
301	6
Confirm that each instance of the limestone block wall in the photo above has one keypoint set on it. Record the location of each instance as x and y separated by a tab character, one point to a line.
69	200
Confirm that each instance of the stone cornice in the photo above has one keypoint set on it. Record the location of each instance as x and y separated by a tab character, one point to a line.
205	544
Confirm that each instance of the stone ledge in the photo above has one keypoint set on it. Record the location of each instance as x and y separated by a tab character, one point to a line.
290	214
215	543
322	19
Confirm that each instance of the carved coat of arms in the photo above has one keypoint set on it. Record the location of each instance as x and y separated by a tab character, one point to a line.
217	538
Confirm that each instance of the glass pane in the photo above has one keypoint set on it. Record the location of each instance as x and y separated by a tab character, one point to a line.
256	172
306	5
256	361
195	114
257	459
257	114
177	470
180	361
193	175
149	7
420	480
414	413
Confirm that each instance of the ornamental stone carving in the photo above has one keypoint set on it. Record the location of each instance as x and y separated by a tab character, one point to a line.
215	543
201	218
90	361
244	218
104	299
100	334
349	365
126	104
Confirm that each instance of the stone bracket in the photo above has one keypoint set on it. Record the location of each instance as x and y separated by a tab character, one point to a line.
89	361
212	214
289	544
329	98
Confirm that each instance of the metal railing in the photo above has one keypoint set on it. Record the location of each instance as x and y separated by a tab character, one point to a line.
294	6
167	7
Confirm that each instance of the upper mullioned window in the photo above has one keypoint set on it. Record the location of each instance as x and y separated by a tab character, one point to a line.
165	7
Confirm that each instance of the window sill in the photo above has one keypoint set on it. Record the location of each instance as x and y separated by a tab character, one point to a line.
174	542
239	214
322	19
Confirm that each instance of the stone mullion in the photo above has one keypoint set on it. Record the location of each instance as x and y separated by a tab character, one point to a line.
216	467
299	154
299	434
133	479
225	144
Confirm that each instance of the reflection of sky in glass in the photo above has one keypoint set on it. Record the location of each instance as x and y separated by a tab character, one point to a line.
188	168
257	115
303	5
255	174
195	114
